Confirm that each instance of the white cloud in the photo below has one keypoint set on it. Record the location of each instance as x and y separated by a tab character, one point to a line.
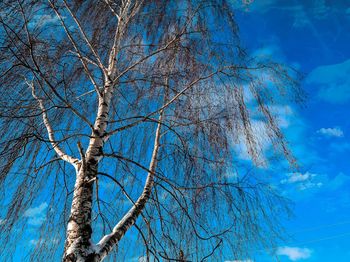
294	253
140	259
44	241
303	181
283	114
297	177
230	174
311	183
335	132
269	51
36	215
34	211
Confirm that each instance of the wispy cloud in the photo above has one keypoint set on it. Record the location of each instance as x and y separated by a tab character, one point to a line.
36	215
294	253
297	177
285	118
44	241
332	82
303	182
338	181
312	183
331	132
261	137
41	20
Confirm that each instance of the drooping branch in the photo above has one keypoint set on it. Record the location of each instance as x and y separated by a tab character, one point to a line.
70	37
168	103
85	37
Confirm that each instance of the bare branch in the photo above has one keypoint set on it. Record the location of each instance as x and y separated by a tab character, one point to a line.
75	47
50	131
100	64
172	100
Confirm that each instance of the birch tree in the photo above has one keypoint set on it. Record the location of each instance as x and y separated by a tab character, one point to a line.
125	115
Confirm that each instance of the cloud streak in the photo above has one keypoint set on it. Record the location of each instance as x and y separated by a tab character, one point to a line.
331	132
294	253
303	181
297	177
36	215
332	81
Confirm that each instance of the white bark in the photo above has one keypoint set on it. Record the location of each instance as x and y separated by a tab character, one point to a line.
50	131
78	246
78	242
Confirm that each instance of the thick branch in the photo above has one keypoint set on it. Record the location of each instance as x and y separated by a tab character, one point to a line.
107	242
51	133
124	16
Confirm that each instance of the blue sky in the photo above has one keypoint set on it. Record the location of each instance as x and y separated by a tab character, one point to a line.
313	37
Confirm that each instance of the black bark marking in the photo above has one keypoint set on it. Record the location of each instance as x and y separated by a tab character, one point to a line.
92	161
87	230
70	258
100	151
91	258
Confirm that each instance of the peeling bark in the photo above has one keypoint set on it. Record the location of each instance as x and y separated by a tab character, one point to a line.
78	244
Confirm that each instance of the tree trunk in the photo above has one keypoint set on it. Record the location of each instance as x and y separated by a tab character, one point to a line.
78	246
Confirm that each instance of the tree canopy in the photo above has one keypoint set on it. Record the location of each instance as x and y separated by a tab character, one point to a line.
140	105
